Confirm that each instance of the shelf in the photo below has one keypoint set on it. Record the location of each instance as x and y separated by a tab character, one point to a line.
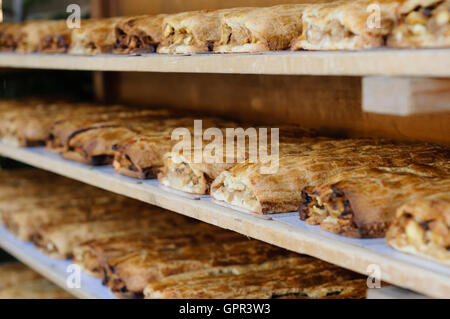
284	230
53	269
391	62
393	293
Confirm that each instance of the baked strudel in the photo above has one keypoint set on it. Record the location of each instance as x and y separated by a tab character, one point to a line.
133	272
37	289
363	204
98	145
422	227
140	34
45	37
293	278
317	164
9	36
183	172
12	274
17	281
192	32
260	29
143	156
63	131
347	25
423	24
96	36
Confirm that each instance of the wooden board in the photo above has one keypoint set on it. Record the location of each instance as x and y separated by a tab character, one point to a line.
419	62
53	269
393	293
284	230
405	96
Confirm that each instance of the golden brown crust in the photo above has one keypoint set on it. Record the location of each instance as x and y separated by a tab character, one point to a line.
44	37
299	277
345	25
260	29
423	24
17	281
192	32
136	270
96	36
141	34
9	36
64	131
422	227
318	164
12	274
363	203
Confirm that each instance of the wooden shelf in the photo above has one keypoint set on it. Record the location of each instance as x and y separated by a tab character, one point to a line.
284	230
391	62
393	293
53	269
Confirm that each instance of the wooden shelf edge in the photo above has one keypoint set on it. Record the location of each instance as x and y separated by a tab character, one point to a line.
399	269
393	293
390	62
52	269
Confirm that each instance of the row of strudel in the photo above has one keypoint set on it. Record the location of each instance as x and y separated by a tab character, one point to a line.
352	187
20	282
135	247
336	25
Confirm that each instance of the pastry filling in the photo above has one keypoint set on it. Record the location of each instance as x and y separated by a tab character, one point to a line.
137	42
55	44
235	192
428	237
179	37
331	210
237	38
180	175
123	164
434	20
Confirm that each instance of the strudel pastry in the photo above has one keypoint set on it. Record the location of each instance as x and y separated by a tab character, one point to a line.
133	272
183	172
96	36
26	221
60	240
347	25
63	131
423	24
293	278
192	32
44	37
98	145
31	126
422	227
13	273
9	36
140	34
317	164
36	289
260	29
364	203
143	156
94	255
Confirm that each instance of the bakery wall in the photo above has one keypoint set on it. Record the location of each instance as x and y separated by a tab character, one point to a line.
330	104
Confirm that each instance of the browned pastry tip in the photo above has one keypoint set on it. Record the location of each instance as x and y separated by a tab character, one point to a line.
260	29
422	227
44	36
423	24
96	36
141	34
